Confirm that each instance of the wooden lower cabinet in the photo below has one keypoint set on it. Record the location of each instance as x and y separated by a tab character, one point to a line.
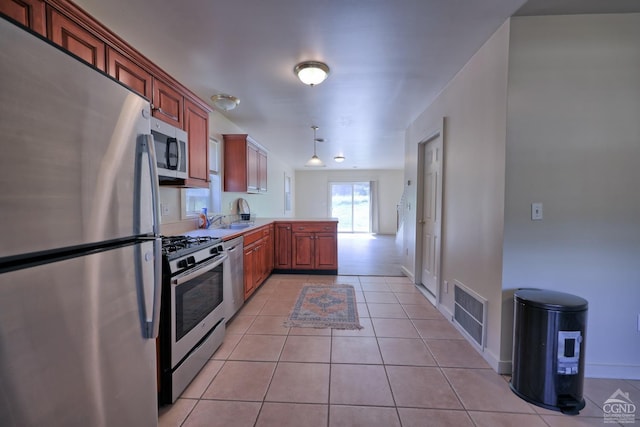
293	247
282	246
258	258
326	251
306	246
250	261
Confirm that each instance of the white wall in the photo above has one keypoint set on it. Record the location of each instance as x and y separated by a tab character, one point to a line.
269	205
312	193
573	143
474	104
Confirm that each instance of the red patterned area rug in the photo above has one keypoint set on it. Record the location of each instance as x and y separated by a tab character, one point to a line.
325	306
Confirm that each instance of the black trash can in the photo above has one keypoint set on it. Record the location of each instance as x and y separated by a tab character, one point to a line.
548	349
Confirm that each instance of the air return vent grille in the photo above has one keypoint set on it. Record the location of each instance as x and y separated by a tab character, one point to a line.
470	312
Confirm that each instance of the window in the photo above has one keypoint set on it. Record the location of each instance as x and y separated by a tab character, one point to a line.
194	199
351	204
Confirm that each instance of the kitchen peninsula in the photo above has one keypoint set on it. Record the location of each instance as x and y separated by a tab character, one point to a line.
308	246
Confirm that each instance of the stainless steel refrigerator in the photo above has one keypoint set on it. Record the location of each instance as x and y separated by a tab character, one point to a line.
79	252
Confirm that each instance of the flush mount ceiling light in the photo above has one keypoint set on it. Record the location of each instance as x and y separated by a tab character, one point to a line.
311	72
225	102
314	161
339	159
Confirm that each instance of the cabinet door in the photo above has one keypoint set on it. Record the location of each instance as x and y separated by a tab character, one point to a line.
268	249
249	271
253	184
168	103
77	40
326	255
197	127
282	246
30	13
235	162
260	262
129	73
302	250
262	171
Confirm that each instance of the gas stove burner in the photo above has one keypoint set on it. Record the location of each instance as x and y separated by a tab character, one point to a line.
175	246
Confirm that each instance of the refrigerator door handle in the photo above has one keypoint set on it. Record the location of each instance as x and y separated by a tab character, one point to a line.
151	286
149	147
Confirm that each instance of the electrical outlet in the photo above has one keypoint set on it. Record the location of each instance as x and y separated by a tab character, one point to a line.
446	286
164	209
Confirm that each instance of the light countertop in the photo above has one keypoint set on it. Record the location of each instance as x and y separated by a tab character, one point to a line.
230	233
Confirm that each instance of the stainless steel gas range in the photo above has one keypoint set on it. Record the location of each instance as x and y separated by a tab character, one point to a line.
192	319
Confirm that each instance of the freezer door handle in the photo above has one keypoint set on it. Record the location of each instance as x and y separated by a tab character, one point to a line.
153	324
149	277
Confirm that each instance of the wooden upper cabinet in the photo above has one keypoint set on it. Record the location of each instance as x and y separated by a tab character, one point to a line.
196	123
245	165
167	103
235	163
253	184
262	171
129	73
76	39
30	13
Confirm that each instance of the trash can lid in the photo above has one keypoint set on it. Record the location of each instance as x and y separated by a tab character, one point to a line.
550	300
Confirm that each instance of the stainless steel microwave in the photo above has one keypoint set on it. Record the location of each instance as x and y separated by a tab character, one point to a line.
171	150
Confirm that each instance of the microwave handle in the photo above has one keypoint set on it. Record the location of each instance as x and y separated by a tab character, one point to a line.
173	142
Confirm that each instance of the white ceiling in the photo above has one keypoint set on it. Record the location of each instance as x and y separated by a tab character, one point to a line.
389	59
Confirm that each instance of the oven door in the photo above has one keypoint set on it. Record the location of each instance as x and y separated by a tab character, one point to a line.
196	302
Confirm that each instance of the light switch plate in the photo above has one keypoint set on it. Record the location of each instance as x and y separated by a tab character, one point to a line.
536	211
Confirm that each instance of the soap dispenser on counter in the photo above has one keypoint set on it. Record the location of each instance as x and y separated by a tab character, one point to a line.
203	219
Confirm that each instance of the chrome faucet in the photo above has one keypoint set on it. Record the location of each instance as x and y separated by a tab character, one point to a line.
215	218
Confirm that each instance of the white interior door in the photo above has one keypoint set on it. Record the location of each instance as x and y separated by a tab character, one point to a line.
431	213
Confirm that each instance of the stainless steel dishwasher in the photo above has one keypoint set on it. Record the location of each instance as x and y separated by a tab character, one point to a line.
233	276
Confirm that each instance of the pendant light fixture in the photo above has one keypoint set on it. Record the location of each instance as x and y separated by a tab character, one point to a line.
314	161
311	72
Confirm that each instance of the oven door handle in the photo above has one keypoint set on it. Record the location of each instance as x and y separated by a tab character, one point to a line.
199	271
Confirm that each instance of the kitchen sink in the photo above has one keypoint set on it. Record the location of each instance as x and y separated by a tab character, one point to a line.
240	225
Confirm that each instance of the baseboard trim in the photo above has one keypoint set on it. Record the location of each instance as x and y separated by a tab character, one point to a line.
601	370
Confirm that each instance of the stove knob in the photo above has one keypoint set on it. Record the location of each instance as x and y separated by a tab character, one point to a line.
191	260
182	263
214	251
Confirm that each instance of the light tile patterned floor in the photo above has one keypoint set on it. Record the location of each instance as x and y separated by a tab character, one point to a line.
408	367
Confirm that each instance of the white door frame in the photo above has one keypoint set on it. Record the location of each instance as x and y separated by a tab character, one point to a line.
439	133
